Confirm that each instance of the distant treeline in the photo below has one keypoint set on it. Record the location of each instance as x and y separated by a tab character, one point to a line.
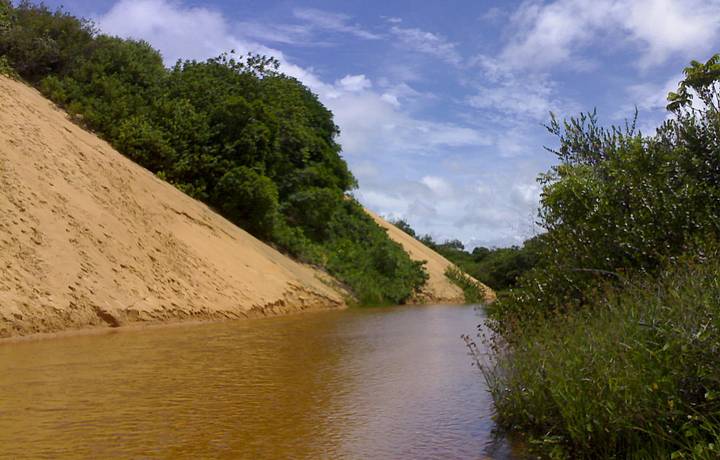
234	132
498	268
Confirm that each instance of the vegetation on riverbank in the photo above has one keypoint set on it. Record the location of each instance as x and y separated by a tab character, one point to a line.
233	132
474	292
498	268
608	347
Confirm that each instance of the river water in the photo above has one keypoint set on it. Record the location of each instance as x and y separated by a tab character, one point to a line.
362	383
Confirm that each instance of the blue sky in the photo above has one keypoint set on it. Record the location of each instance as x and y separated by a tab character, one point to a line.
441	103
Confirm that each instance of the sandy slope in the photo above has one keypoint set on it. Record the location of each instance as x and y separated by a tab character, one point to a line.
438	288
88	238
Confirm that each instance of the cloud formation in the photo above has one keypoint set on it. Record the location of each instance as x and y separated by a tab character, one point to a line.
545	35
335	22
427	42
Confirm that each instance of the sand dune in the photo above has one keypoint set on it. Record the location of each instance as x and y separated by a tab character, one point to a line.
438	288
88	238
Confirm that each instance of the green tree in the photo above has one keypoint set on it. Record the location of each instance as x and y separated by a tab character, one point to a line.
45	43
249	199
619	201
403	225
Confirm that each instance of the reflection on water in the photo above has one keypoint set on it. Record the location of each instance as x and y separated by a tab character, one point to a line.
378	383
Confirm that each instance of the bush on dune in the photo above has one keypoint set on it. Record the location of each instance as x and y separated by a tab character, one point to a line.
234	132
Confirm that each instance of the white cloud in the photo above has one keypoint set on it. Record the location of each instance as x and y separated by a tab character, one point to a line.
354	83
287	34
544	35
401	93
312	22
438	185
389	204
335	22
497	209
651	96
515	100
533	98
372	123
526	194
179	32
428	43
665	27
494	14
391	99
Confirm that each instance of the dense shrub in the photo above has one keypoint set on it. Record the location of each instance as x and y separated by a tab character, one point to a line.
473	291
499	268
608	347
39	41
249	199
619	202
353	236
635	375
5	67
5	8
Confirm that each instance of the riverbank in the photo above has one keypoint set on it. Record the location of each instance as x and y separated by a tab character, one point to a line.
134	327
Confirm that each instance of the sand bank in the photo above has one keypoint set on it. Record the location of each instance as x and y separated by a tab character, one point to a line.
88	238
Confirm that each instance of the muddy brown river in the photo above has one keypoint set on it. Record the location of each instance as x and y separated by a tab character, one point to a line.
390	383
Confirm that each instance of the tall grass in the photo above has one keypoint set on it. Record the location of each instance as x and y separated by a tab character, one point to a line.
474	292
635	375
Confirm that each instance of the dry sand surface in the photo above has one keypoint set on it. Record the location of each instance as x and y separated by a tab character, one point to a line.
438	288
88	238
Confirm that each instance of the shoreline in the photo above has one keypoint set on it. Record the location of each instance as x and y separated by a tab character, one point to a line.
171	323
145	325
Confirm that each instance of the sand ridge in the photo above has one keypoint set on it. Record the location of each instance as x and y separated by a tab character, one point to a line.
438	288
88	238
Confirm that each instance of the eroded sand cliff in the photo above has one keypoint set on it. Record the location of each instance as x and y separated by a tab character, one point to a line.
88	238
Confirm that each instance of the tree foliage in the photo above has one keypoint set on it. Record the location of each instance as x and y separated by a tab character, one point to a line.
618	201
232	131
38	41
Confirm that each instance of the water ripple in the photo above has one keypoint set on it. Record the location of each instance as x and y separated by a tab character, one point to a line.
379	383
